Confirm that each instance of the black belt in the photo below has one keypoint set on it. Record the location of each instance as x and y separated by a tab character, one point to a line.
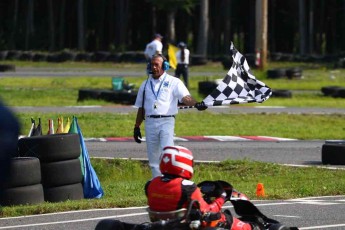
160	116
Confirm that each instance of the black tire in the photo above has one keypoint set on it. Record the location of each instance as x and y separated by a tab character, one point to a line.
333	154
335	142
206	87
63	193
109	224
282	93
120	97
339	93
24	171
60	173
330	90
294	73
32	194
5	67
276	73
49	148
89	94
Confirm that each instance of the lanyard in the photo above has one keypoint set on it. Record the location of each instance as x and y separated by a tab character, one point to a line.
153	91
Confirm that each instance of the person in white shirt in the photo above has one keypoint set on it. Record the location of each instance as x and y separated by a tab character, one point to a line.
157	102
182	56
154	47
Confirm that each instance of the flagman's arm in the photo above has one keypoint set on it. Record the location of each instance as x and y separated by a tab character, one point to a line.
138	121
140	117
189	101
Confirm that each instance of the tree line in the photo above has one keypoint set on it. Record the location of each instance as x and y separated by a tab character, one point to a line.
304	27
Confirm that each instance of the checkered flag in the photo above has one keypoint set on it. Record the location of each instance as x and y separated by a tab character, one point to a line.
239	85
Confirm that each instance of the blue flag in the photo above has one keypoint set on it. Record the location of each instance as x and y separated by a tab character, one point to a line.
91	184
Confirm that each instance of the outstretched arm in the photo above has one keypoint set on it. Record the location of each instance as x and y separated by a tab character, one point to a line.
189	101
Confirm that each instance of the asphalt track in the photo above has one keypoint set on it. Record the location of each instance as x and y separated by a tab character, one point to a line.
307	213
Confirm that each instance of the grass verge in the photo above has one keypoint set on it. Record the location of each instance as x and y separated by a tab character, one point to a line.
191	123
123	183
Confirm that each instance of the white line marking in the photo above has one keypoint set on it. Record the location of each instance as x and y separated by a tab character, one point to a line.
288	216
323	226
73	221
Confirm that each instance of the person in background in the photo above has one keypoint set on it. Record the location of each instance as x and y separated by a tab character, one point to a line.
174	190
9	133
157	103
182	56
154	47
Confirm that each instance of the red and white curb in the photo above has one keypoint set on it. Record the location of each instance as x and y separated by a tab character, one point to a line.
198	138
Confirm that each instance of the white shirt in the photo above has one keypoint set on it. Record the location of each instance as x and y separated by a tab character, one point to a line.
153	47
170	90
186	56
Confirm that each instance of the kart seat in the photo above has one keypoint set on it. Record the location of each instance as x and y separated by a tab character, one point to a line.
156	215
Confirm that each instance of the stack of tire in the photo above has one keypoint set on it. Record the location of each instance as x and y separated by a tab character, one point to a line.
290	73
333	152
60	164
23	185
206	87
333	91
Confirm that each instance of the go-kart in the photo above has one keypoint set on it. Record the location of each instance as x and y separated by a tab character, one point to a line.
192	218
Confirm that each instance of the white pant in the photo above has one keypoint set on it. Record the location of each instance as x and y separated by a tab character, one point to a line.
159	133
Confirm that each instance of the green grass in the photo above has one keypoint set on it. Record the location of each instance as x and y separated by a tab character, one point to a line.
304	126
123	183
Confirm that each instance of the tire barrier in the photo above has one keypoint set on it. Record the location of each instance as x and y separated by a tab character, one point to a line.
281	93
24	171
294	73
64	192
333	91
24	183
290	73
276	73
206	87
121	97
226	62
31	194
50	148
5	68
59	164
333	152
61	173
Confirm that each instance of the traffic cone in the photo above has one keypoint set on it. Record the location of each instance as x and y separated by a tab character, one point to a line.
67	126
260	191
60	128
51	126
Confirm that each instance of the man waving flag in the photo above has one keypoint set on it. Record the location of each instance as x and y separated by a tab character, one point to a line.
239	85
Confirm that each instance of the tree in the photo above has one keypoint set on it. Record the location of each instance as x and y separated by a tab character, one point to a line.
81	33
51	26
171	6
203	29
29	23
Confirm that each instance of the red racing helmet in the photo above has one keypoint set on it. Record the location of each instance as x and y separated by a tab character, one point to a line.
178	161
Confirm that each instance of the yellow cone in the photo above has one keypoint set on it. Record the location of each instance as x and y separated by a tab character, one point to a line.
67	126
60	128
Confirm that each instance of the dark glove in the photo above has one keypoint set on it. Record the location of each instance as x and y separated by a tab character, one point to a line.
137	134
201	106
